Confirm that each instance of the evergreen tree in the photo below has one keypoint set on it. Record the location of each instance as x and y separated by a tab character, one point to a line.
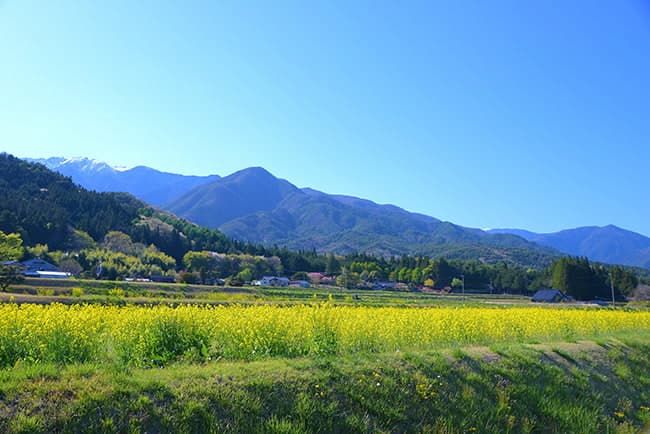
332	265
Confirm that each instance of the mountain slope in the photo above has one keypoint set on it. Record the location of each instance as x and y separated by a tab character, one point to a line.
42	205
152	186
244	192
255	206
609	244
46	207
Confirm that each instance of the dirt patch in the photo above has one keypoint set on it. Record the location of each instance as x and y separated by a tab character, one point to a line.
482	353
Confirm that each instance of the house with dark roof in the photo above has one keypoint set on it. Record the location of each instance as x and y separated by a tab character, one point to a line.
36	267
550	296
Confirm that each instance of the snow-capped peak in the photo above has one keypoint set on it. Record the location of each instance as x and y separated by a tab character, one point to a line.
80	163
87	164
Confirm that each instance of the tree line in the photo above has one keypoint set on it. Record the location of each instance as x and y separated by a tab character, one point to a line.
118	256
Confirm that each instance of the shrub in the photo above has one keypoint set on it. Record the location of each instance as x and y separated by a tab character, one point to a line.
116	292
9	275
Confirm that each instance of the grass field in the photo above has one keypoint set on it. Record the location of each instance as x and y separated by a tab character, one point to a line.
97	291
174	358
583	387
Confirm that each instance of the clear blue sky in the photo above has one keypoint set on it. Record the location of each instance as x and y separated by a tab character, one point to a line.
488	114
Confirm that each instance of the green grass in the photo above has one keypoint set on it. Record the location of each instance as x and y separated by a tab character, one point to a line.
74	291
519	388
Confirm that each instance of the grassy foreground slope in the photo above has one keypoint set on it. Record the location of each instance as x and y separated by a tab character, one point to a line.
583	387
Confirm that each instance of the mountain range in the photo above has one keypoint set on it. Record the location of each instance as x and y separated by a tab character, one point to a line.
609	244
254	205
150	185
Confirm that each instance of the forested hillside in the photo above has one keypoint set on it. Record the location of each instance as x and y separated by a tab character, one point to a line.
45	207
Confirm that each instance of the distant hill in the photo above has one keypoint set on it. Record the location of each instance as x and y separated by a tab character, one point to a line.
255	206
609	244
151	185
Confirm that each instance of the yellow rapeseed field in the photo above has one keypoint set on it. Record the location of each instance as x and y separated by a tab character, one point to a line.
144	336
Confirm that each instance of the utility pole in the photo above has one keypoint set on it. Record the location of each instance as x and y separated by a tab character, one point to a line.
611	282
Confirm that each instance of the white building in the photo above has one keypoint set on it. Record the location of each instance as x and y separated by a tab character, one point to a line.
52	274
273	281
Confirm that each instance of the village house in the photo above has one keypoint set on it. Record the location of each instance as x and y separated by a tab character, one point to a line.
315	277
273	281
550	296
31	266
328	280
384	285
38	267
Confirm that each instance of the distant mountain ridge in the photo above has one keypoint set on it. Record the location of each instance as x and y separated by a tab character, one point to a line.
151	185
308	219
609	244
254	205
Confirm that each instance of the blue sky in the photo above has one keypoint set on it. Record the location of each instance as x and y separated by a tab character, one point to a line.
488	114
